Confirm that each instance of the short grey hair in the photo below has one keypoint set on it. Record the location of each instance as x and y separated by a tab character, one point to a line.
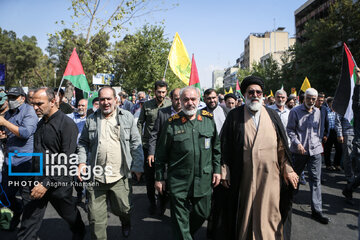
311	92
281	92
190	88
142	92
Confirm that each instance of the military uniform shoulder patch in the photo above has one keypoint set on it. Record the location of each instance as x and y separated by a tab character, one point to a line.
206	114
176	116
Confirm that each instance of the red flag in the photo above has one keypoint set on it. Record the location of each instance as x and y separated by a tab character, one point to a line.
194	76
74	72
237	86
344	92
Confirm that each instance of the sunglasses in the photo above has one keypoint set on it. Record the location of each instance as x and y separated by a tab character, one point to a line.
252	92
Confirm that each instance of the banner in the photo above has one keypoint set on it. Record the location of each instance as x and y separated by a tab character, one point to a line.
103	79
2	74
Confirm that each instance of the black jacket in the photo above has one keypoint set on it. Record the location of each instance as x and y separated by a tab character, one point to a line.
163	115
57	135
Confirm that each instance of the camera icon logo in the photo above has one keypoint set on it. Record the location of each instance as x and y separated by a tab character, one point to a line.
16	153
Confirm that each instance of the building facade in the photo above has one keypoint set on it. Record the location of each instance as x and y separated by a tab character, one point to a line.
310	10
257	45
217	79
230	77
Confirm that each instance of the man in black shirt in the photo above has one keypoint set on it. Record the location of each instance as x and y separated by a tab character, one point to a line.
55	138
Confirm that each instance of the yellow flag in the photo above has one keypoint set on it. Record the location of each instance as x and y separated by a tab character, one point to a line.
305	85
230	91
179	60
271	93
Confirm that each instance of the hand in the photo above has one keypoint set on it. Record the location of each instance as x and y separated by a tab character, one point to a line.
2	121
358	76
225	183
38	191
150	159
138	175
81	169
3	135
160	186
301	149
324	139
291	177
340	139
216	179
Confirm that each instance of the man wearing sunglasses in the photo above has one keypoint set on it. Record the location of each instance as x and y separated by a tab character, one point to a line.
255	162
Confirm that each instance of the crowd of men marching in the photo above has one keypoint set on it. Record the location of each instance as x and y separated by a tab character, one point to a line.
235	162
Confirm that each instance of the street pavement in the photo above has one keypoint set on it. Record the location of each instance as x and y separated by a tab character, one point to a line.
343	216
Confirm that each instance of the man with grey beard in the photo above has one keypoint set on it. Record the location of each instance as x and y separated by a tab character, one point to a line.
304	131
189	145
279	107
256	170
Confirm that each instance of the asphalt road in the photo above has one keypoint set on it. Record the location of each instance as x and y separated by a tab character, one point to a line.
343	216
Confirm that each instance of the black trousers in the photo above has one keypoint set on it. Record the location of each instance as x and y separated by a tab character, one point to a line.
332	141
150	181
61	199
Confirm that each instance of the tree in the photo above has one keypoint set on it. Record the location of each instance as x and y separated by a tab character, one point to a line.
319	57
22	58
91	17
140	59
95	57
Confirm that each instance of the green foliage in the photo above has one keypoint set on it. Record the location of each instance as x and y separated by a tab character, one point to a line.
320	56
139	60
23	60
94	57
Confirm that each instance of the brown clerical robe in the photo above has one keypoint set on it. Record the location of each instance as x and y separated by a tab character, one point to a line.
258	215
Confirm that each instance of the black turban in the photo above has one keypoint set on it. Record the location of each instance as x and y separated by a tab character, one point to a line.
249	81
230	95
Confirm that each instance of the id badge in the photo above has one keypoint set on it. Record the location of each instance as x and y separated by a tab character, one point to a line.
207	143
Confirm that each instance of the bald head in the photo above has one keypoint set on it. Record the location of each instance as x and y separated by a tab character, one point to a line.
44	102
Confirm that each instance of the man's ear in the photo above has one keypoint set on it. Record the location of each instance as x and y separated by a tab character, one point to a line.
53	102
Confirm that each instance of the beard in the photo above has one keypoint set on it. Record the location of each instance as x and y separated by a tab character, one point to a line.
190	110
252	104
280	104
309	106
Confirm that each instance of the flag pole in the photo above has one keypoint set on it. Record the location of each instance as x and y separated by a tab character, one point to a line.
167	63
62	79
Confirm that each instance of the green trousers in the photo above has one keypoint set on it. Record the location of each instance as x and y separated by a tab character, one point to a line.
118	195
188	215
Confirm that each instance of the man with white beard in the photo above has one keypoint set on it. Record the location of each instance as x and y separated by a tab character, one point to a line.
256	168
190	146
279	106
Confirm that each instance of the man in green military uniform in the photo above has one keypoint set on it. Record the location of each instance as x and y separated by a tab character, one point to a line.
190	146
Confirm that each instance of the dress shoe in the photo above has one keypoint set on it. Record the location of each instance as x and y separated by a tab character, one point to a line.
318	216
347	193
126	230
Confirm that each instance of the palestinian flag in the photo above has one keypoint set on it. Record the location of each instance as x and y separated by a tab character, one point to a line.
344	91
194	76
74	72
237	89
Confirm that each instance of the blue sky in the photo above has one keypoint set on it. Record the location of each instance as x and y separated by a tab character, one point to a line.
214	30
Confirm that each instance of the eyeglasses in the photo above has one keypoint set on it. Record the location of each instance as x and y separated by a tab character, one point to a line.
252	92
